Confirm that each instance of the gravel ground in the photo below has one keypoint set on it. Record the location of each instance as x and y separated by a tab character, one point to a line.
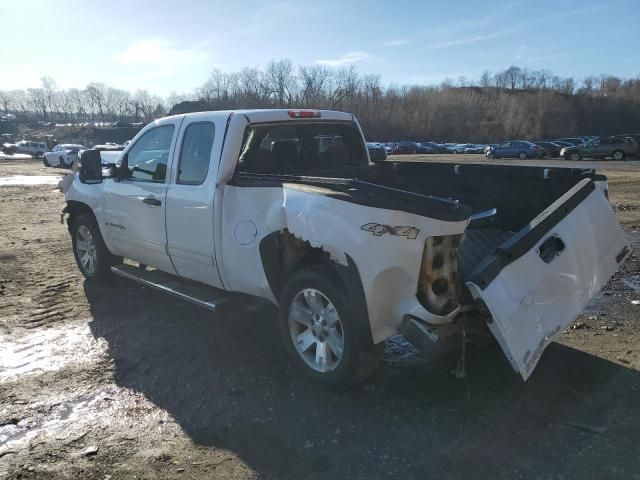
117	381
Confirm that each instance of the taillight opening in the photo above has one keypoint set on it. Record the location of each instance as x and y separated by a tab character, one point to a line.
438	283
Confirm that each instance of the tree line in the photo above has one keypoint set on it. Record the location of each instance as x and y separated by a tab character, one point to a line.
95	102
514	103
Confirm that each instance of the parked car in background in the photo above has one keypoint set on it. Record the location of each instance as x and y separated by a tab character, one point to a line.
388	147
437	147
474	148
633	137
425	149
377	152
562	143
611	147
551	149
62	155
108	146
35	149
406	147
515	149
571	140
458	147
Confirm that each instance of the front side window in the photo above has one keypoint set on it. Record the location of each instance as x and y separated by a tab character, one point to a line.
148	158
196	153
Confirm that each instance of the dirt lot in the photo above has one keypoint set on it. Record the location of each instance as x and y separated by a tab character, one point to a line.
117	381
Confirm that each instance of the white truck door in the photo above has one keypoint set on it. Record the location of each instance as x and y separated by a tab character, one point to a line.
135	207
190	199
538	282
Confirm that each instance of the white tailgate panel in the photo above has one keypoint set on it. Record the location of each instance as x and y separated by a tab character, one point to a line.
532	301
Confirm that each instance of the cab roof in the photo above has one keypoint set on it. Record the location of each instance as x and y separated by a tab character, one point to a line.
274	115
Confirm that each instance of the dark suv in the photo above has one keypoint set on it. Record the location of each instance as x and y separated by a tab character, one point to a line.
612	147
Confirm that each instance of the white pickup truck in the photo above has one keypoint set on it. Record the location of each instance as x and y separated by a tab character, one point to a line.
287	206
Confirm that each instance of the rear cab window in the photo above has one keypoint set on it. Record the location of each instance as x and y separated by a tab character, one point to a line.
297	147
195	154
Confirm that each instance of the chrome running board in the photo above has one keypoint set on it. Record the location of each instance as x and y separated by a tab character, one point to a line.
198	294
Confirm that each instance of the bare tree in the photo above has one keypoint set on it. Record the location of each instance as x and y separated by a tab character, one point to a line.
96	96
38	97
5	100
513	77
281	80
49	86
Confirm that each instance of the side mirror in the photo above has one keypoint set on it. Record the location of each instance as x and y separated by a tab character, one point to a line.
122	172
90	167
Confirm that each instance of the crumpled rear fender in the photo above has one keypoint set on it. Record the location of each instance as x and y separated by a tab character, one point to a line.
385	246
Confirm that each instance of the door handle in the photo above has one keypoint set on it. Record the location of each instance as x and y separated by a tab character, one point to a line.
154	202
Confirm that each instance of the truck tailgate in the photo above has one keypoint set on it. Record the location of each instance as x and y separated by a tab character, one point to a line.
539	281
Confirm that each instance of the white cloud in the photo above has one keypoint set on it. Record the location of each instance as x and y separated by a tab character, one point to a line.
522	49
159	52
347	58
547	57
470	40
156	63
588	9
398	42
271	15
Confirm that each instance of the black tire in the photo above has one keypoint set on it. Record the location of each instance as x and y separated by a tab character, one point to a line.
522	156
38	154
44	162
619	153
357	362
573	156
104	259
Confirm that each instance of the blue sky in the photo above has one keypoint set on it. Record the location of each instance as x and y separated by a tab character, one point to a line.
166	46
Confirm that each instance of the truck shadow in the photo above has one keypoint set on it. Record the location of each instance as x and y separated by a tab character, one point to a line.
223	377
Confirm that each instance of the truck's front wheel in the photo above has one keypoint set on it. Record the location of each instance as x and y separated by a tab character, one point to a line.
92	256
317	326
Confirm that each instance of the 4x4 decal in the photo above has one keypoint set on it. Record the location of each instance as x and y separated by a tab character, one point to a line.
378	230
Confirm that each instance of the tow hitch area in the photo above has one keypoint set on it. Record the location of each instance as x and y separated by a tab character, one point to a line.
446	339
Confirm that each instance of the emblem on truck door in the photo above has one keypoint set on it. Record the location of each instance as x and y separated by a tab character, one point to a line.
378	230
116	225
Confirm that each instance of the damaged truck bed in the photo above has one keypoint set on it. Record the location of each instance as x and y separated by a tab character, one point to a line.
285	205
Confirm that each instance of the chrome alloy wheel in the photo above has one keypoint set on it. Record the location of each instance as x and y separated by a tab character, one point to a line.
86	249
316	330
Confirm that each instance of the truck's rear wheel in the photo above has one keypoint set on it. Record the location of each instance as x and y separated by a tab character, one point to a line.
92	256
318	330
